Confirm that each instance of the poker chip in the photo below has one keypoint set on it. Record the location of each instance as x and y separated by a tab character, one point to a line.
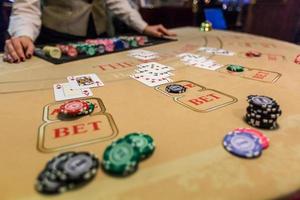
235	68
100	48
91	50
206	26
175	88
243	144
262	112
143	142
80	167
45	185
67	171
119	45
53	52
72	52
263	139
120	158
253	54
74	107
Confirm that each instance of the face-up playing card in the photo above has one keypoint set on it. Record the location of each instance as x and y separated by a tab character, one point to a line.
154	66
143	54
152	82
216	51
85	81
64	91
199	61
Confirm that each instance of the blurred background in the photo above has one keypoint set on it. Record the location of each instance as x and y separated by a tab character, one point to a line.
272	18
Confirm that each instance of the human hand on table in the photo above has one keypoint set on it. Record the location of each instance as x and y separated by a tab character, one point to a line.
158	31
18	49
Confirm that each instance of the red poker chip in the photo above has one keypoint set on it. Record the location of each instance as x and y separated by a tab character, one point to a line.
264	140
253	54
72	52
74	107
297	59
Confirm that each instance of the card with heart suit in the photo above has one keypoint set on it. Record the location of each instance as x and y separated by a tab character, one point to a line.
64	91
85	81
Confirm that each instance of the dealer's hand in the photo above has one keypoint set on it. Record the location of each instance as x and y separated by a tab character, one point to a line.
18	49
158	31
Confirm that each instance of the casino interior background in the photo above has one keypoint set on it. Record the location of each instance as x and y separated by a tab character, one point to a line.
251	16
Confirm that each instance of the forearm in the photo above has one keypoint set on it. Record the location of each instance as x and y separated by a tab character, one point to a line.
25	19
130	16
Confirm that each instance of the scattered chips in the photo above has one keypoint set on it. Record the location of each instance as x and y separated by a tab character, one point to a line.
262	112
66	171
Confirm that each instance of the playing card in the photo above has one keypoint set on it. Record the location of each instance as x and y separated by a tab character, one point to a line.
143	54
85	81
216	51
152	82
153	66
64	91
152	74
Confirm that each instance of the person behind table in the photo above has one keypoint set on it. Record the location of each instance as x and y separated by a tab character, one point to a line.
55	21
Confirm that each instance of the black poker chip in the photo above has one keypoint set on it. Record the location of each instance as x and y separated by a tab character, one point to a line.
263	124
46	185
261	115
67	171
80	167
262	102
175	89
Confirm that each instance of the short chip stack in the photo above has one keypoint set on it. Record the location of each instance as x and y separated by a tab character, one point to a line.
245	142
67	171
122	157
206	26
262	112
76	107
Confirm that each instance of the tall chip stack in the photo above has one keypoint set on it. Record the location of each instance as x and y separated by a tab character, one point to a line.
262	112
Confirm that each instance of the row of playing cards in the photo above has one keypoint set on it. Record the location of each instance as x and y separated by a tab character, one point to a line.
76	87
143	54
153	74
199	61
216	51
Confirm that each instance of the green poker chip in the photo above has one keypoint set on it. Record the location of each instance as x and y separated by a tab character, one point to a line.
120	158
143	142
91	50
235	68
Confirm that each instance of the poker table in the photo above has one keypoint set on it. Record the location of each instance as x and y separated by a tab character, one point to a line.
190	161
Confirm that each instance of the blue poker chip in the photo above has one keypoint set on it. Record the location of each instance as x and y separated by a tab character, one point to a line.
243	144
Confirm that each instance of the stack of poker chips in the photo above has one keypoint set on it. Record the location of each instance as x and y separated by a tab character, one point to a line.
245	142
68	50
53	52
262	112
77	107
206	26
67	171
122	157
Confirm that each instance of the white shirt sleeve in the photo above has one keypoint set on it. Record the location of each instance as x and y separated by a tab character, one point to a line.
130	16
25	19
